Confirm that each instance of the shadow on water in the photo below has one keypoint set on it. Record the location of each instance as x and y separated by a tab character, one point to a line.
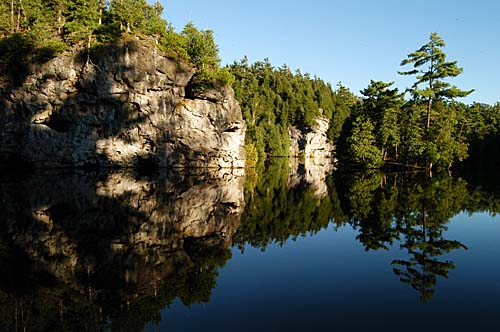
109	251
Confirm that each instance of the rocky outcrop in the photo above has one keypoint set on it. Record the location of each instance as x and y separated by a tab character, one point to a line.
311	142
125	105
311	157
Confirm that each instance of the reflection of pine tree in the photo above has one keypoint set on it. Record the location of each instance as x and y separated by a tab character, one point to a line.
424	242
410	208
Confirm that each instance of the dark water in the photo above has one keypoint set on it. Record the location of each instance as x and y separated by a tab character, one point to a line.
277	250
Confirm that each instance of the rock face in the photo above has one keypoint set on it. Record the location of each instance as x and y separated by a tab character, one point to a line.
311	142
124	105
311	157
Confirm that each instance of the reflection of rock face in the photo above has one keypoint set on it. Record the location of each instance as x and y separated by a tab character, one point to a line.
125	232
312	172
128	105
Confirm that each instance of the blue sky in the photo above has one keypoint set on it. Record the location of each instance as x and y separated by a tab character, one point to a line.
353	41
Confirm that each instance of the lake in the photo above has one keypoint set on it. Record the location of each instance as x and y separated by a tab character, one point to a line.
287	247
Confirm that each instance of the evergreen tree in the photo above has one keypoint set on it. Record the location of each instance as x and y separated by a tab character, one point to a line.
83	19
441	144
431	69
272	99
200	46
361	144
382	105
130	14
153	24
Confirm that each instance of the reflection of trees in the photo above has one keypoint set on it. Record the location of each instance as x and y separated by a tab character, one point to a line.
413	210
92	252
421	270
409	209
275	213
430	204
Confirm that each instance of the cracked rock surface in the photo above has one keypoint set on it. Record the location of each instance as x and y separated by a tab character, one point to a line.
125	105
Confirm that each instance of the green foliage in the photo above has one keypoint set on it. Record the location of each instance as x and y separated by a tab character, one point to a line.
252	155
441	146
207	78
49	50
5	23
272	99
173	45
153	24
343	104
431	68
429	130
51	26
201	47
361	144
83	19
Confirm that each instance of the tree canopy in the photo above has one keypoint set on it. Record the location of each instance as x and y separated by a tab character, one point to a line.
50	27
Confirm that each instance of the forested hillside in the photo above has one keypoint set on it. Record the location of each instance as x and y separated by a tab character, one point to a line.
274	98
425	126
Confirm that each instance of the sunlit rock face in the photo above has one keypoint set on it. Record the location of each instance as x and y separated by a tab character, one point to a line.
124	105
311	157
121	230
311	142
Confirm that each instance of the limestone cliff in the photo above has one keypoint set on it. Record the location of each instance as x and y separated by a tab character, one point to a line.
124	105
311	142
311	156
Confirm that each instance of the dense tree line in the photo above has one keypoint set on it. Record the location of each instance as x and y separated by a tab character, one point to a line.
424	126
272	99
35	31
429	129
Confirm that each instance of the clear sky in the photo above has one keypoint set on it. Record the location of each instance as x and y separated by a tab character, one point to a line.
353	41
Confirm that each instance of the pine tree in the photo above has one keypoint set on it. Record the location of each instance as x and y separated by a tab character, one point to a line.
361	144
431	69
201	47
83	19
382	105
440	144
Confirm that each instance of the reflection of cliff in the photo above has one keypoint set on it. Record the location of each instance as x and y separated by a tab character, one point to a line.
281	206
312	172
109	241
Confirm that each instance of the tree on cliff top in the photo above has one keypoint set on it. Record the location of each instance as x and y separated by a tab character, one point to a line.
201	47
204	53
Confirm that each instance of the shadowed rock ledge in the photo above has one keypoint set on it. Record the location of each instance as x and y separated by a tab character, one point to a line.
125	105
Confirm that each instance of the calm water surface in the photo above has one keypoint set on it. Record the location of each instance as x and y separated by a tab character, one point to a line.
279	250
